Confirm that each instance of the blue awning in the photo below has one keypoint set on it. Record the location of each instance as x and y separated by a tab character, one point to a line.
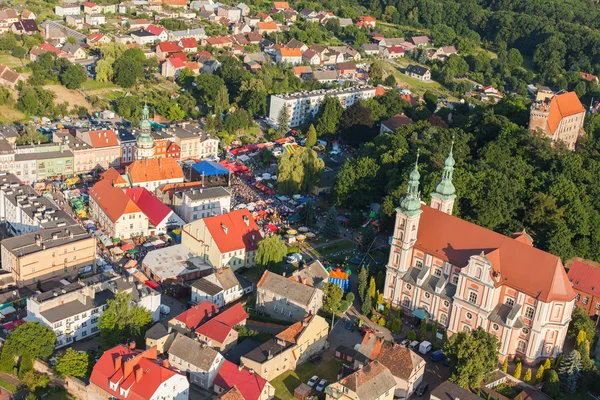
420	313
210	168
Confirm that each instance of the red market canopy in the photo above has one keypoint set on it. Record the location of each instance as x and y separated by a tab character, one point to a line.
127	247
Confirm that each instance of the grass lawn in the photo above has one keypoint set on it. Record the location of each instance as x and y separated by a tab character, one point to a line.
413	84
579	395
8	386
11	62
335	247
288	381
92	84
8	114
528	64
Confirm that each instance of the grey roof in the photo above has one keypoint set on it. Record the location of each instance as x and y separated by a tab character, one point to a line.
8	131
70	48
293	291
313	274
80	37
142	33
370	47
270	348
27	244
173	261
324	75
240	349
417	69
206	193
187	33
72	141
157	331
502	313
196	353
449	391
227	279
67	310
371	381
46	155
245	283
205	286
5	146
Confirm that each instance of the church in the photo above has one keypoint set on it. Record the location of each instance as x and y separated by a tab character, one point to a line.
464	276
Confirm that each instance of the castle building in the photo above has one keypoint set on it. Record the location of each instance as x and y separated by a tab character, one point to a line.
465	276
144	147
560	118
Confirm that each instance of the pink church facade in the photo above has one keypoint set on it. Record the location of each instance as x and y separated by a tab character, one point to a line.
465	276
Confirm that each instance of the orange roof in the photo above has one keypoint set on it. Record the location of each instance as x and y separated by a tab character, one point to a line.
585	277
105	138
156	169
281	4
563	105
301	69
588	77
292	333
180	3
265	26
233	231
521	267
285	52
113	201
113	176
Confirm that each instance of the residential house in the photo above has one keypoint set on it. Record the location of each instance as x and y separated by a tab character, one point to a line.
313	274
107	146
345	22
332	57
393	52
311	57
256	57
366	21
584	275
97	39
241	28
201	202
116	179
448	390
420	41
346	68
152	173
391	42
244	8
174	264
247	383
164	49
348	53
289	348
296	44
90	8
158	31
75	21
373	381
289	56
560	118
197	34
392	124
28	14
160	336
371	49
106	8
193	141
75	50
143	37
308	14
442	53
193	317
172	66
189	45
67	9
287	299
9	78
219	42
588	77
175	3
197	360
25	27
122	372
219	331
115	212
220	288
160	217
137	24
266	28
95	19
490	93
226	240
174	151
406	366
233	14
302	72
84	155
281	5
416	71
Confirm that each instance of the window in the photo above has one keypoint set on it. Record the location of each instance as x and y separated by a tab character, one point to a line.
84	333
509	301
598	306
473	297
469	315
585	300
408	286
446	303
83	324
406	302
443	319
529	312
455	279
495	327
437	272
525	331
427	295
521	346
466	328
419	263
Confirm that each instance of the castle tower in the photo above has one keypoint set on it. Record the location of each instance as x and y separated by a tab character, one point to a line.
443	197
404	237
144	147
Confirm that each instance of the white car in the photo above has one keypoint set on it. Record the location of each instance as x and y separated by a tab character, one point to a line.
165	309
321	385
294	258
313	381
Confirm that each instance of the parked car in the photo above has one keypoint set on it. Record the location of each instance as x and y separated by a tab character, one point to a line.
315	359
321	385
438	355
413	345
165	309
312	381
350	324
422	389
405	343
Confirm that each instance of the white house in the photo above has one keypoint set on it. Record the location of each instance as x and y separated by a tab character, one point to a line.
160	217
200	361
202	202
220	288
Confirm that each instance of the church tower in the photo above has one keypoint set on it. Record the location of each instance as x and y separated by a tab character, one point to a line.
144	147
443	197
404	237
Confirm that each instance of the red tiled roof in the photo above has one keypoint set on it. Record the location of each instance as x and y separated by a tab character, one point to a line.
267	26
113	176
397	121
563	105
197	314
180	3
189	43
94	37
105	138
154	170
231	394
89	4
215	330
238	236
176	62
233	315
248	383
396	49
49	47
522	267
132	363
293	52
588	77
153	208
291	333
169	47
113	201
585	277
155	30
281	4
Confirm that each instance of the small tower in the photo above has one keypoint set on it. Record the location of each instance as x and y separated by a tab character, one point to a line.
144	147
404	237
443	197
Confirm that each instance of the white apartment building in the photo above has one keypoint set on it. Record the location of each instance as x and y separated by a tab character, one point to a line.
65	9
304	105
198	203
73	310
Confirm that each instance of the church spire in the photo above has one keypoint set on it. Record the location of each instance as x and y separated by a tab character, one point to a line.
410	203
445	192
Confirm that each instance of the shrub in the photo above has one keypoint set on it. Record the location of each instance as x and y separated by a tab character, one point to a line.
411	335
381	321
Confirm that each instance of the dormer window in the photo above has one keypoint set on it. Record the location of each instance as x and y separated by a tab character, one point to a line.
419	263
509	301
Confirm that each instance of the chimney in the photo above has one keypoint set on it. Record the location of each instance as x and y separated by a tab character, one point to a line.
166	363
118	362
270	356
240	367
132	345
284	274
246	220
224	228
139	372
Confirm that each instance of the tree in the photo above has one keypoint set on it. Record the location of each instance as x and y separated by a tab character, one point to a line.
362	283
580	89
221	101
237	120
527	377
345	305
581	321
569	372
581	337
442	35
122	321
390	81
299	172
505	365
283	122
19	52
539	376
34	380
308	212
356	124
271	253
28	341
104	70
175	113
72	363
518	371
311	136
376	71
551	384
73	76
331	229
328	117
473	355
127	71
584	351
366	305
332	298
423	329
372	288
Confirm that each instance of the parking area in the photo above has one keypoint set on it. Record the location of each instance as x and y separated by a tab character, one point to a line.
175	307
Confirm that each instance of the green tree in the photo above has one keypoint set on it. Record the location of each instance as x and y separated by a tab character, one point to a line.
372	288
271	253
584	351
367	238
19	52
527	377
411	335
221	101
104	70
122	320
347	302
569	372
551	384
581	321
28	341
366	305
539	376
299	172
362	283
581	337
423	329
333	295
442	35
283	122
331	228
72	363
237	121
390	81
127	71
376	71
308	213
328	117
473	355
311	136
505	365
175	113
518	371
34	380
73	76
